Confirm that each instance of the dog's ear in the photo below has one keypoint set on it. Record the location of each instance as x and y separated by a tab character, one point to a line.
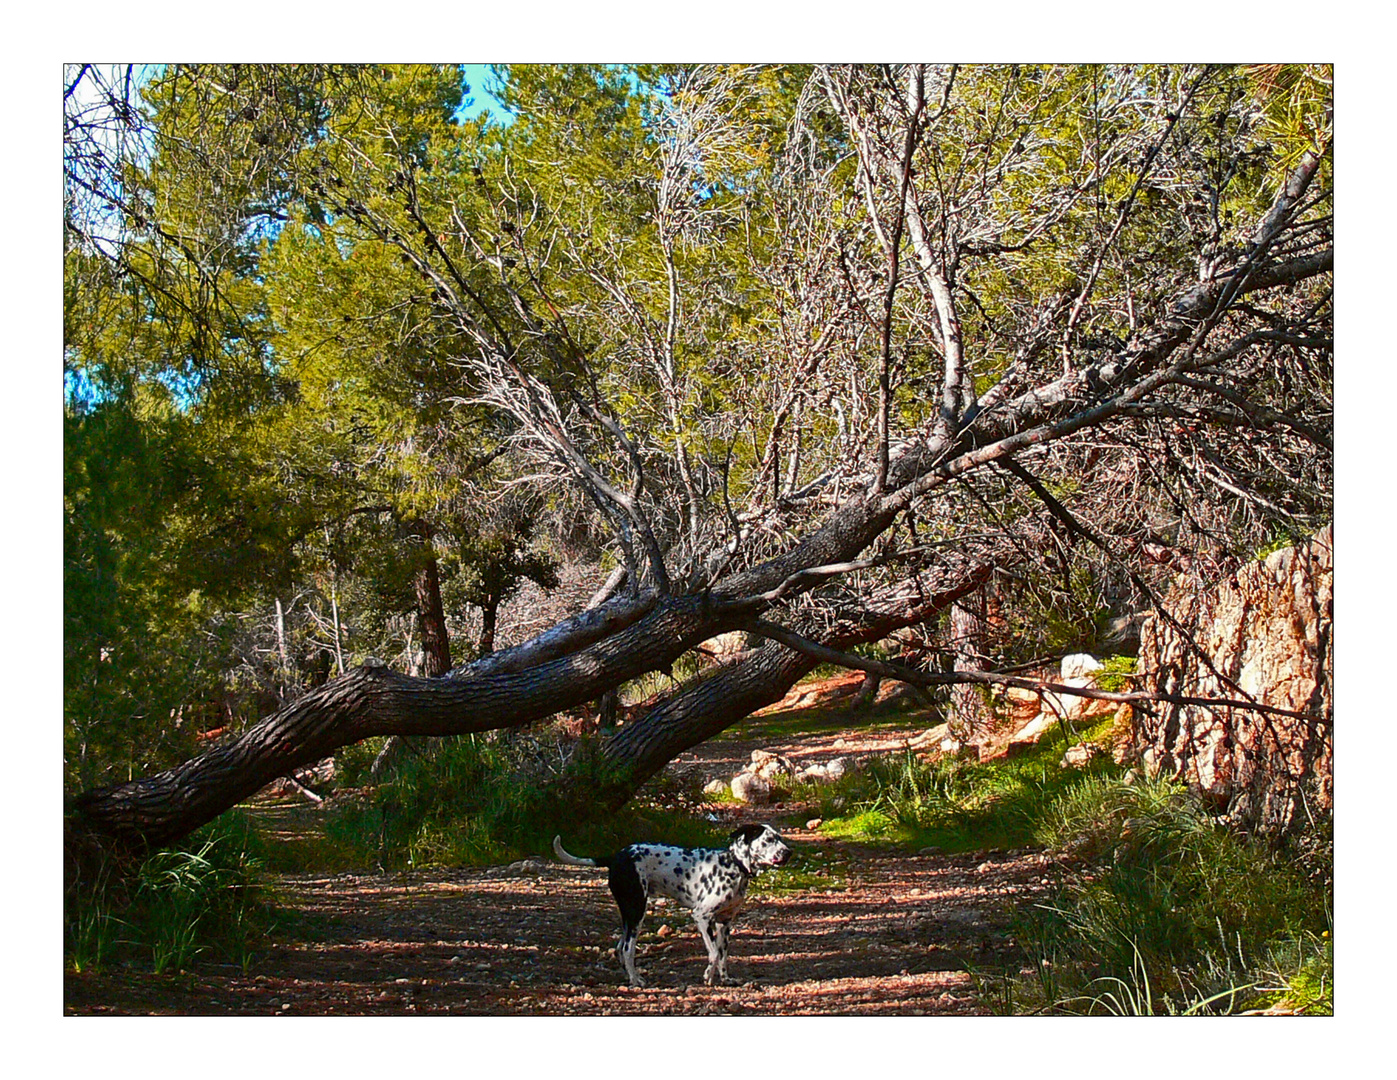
749	833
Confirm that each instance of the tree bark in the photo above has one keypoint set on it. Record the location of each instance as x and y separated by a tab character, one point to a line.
431	619
969	710
371	701
759	678
489	614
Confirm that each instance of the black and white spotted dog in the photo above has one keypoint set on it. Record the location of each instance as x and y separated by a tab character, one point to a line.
712	882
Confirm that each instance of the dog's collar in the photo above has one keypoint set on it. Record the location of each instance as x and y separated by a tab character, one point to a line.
750	871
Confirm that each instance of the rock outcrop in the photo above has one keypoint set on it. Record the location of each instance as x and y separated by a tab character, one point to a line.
1076	669
1268	632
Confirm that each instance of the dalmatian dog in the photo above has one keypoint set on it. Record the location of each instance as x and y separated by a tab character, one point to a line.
711	882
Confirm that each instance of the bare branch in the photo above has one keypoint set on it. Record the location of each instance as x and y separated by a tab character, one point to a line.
902	673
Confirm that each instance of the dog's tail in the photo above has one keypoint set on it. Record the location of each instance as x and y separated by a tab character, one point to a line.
573	859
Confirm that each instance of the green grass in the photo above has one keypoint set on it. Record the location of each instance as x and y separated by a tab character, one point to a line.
811	869
1164	908
1115	673
865	826
955	805
792	882
206	899
1300	975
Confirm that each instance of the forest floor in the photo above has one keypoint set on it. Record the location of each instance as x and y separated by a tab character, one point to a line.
863	930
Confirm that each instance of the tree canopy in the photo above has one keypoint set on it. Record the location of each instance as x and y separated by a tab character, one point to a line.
813	352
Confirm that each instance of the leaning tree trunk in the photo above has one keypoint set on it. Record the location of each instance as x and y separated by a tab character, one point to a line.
760	677
641	636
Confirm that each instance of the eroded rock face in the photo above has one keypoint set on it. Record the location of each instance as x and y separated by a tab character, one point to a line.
1268	632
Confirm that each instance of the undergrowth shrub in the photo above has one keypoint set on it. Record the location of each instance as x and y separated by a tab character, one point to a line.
204	900
480	800
1162	908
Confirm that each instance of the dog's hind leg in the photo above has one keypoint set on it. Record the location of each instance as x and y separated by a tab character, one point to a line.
625	952
629	892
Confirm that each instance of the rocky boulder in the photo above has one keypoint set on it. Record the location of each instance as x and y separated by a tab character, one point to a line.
1075	669
770	766
750	788
826	773
1081	755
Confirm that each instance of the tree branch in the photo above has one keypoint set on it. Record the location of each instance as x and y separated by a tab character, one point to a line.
825	654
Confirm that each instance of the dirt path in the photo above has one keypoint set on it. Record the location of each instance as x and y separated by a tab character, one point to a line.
892	934
534	938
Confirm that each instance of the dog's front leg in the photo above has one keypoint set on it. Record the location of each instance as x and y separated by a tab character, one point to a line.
708	930
720	939
715	939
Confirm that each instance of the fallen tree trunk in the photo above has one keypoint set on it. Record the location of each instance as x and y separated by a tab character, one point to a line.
371	700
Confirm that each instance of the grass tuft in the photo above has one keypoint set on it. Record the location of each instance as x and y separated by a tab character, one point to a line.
1162	907
204	900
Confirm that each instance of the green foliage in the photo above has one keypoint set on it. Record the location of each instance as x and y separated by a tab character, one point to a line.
1115	673
1169	904
483	800
1298	107
257	410
954	804
205	900
145	652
